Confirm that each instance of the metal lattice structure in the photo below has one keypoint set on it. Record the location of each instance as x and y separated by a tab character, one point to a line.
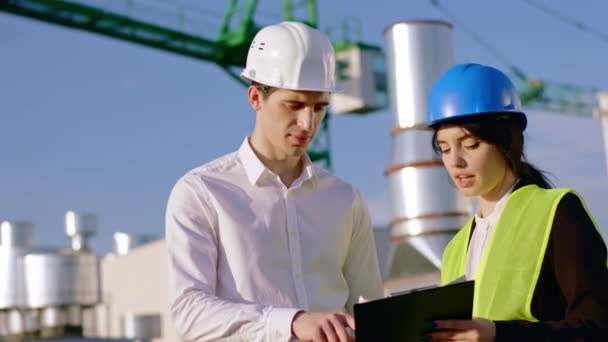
125	20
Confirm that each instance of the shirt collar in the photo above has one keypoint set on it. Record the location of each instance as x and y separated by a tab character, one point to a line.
254	168
308	173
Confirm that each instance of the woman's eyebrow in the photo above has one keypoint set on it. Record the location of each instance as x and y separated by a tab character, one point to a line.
459	139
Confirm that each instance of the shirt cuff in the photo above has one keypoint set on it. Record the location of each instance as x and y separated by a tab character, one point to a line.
279	323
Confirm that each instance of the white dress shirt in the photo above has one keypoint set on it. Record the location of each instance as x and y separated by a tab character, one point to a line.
246	253
484	226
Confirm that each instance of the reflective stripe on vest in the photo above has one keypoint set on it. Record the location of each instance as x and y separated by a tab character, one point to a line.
511	262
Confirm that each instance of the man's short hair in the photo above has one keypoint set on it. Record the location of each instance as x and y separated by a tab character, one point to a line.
264	89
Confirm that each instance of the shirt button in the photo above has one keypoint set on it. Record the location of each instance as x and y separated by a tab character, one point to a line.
298	275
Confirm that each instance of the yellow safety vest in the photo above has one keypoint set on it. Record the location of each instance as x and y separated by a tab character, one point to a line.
511	261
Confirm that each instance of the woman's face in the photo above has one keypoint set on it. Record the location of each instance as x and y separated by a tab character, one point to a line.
476	167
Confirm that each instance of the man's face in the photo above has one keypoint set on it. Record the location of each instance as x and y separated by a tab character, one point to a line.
287	120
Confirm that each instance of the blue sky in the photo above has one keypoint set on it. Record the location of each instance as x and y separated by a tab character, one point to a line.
94	124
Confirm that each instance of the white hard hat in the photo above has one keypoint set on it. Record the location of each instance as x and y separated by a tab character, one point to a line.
291	55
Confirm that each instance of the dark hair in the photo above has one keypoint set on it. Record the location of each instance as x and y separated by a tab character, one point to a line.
264	89
504	132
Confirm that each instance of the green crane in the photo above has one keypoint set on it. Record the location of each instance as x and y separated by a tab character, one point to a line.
555	97
228	50
534	93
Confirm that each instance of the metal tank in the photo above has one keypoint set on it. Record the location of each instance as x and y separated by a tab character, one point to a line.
62	283
426	209
15	239
16	322
64	277
45	292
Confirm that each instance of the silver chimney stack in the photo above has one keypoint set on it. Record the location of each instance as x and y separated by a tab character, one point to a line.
80	227
16	234
427	209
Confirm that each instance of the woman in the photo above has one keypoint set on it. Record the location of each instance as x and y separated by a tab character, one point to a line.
535	253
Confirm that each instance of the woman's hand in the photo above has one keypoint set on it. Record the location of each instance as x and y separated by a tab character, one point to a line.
478	329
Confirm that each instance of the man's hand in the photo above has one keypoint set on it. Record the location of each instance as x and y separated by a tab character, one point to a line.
478	329
323	326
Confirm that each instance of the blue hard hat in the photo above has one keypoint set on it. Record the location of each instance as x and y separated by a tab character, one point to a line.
469	90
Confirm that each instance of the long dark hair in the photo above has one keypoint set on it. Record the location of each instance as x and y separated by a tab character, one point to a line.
505	132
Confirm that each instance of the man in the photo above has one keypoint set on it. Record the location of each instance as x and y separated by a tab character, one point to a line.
264	245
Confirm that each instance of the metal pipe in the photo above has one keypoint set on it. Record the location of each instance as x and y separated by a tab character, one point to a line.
15	234
124	243
80	227
426	208
601	114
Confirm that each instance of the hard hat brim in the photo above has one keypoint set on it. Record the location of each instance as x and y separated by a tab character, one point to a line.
336	89
462	118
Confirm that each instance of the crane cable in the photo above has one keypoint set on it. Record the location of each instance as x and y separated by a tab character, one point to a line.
520	74
568	20
534	83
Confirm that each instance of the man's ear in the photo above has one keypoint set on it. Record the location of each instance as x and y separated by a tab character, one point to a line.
255	97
